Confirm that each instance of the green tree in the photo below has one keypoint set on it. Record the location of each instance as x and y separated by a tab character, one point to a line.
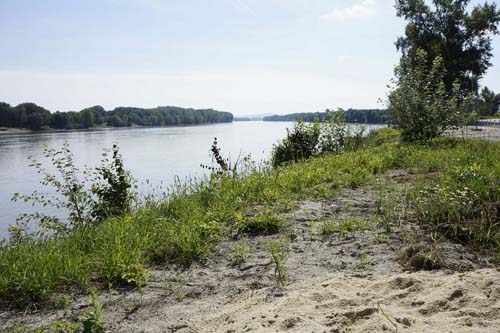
88	119
446	29
488	102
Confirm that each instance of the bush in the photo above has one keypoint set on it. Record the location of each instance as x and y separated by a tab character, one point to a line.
307	140
421	105
300	144
88	196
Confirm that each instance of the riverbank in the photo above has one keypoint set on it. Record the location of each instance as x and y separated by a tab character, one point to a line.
10	130
388	237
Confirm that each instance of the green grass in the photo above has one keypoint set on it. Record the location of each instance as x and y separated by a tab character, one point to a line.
197	215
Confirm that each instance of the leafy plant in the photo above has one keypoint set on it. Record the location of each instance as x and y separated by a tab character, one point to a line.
300	143
92	319
112	186
89	196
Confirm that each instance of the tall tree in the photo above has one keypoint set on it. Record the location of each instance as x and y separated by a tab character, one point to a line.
488	102
445	28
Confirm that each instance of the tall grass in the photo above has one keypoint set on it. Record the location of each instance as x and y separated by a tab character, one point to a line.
198	214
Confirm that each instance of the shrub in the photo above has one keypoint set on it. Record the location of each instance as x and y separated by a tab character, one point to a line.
421	105
89	196
300	143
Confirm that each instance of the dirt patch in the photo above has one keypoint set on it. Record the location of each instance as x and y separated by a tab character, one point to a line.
344	274
490	133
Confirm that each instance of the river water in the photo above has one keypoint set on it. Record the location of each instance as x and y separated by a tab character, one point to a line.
153	155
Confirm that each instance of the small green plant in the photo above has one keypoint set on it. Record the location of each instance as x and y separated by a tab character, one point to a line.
362	263
278	249
328	227
181	296
137	275
92	319
240	252
291	234
311	229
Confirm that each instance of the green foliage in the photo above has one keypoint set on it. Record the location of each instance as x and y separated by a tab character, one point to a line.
240	252
264	222
307	140
88	196
92	320
343	227
350	116
32	116
300	143
421	105
383	136
112	186
446	30
488	103
278	249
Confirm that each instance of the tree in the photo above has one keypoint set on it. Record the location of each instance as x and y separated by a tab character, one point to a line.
488	102
88	119
446	29
4	114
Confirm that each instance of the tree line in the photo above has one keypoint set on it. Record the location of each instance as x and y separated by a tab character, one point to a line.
368	116
34	117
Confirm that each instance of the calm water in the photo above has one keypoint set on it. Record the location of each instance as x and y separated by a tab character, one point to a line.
153	154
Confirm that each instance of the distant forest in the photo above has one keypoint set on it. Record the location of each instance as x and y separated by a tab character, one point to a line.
34	117
372	116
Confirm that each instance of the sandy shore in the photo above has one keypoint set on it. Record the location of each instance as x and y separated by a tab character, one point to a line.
367	280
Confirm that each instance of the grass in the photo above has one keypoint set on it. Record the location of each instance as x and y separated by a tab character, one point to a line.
198	214
343	227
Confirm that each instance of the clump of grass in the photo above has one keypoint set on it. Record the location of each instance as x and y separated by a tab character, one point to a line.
240	252
343	227
362	263
278	250
264	222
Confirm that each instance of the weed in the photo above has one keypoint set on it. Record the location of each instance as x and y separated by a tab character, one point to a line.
278	249
240	252
265	222
363	262
291	234
181	296
92	319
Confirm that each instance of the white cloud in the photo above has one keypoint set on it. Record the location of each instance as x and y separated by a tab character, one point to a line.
363	9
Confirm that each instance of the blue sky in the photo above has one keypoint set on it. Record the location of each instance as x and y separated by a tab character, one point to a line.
242	56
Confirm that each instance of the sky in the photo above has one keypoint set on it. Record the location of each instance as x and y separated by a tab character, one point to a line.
242	56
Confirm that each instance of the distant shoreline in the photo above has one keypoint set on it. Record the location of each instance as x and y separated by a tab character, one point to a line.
15	130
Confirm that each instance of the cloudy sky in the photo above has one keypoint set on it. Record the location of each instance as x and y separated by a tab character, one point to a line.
242	56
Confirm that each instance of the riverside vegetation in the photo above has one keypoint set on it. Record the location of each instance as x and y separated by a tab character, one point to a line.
115	249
